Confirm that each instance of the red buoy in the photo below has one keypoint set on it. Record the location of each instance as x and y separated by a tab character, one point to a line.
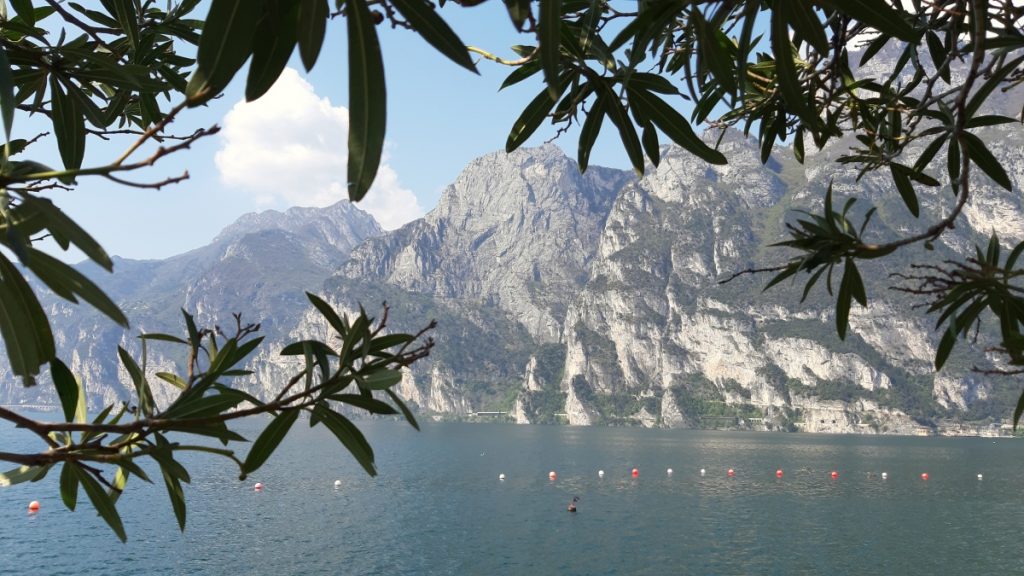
33	506
731	472
635	472
258	486
924	476
778	473
835	474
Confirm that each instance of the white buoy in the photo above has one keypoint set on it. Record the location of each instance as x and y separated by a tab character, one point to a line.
702	471
884	475
552	475
258	486
337	483
669	471
501	476
980	476
600	473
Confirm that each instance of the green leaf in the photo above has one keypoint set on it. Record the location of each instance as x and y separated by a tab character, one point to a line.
23	324
588	133
125	12
269	439
531	118
901	178
371	405
227	41
7	102
785	67
25	10
146	403
521	73
620	118
350	436
937	52
878	14
716	51
806	23
945	345
299	348
65	231
980	155
23	474
550	36
278	33
176	495
68	126
327	311
69	284
425	21
843	302
367	100
649	139
162	337
380	379
103	503
1018	411
313	16
856	282
67	388
518	11
674	125
69	484
981	95
405	409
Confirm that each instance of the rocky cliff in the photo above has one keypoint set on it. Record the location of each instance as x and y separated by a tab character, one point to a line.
587	299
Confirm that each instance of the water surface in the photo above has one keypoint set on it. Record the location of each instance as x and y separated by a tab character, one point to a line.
437	507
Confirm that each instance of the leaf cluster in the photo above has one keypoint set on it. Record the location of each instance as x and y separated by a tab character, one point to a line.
358	369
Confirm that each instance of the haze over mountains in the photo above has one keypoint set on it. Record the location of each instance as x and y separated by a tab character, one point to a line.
585	298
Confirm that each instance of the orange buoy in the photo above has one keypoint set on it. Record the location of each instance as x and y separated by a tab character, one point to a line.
924	476
834	474
778	473
635	472
731	472
552	475
33	506
258	486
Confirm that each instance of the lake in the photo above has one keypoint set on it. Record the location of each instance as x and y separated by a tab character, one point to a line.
438	507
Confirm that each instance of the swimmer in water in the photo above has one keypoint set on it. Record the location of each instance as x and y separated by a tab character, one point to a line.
572	505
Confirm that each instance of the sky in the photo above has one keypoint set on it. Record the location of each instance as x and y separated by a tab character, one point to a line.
289	147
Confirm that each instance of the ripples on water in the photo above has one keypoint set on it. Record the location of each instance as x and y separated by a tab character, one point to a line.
438	507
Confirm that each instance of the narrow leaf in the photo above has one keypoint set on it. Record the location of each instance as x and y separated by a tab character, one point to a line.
269	439
425	21
983	158
313	16
367	100
102	502
67	388
550	35
226	43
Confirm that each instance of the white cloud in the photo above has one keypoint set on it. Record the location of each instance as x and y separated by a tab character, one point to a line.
289	148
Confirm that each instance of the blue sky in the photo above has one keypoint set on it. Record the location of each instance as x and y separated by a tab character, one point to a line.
290	149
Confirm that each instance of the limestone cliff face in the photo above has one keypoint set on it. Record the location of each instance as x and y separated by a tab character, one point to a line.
588	299
516	231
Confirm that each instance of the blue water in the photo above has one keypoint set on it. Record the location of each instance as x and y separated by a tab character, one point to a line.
437	507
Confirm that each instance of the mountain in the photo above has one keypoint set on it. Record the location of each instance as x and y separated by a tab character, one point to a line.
258	266
593	298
